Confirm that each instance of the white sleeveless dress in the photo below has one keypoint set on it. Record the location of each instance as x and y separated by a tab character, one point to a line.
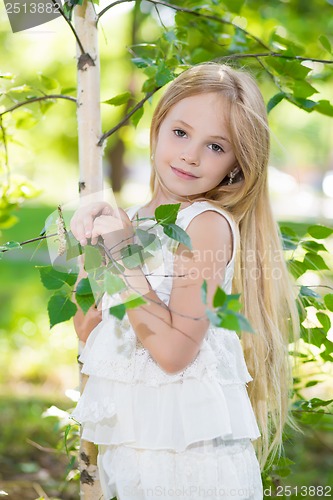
184	436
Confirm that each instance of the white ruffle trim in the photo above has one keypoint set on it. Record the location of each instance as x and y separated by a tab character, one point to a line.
169	417
224	470
113	352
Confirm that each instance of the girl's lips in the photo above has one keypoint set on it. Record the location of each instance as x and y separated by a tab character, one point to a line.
183	175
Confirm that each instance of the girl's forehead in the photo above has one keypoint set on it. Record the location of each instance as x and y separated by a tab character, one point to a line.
211	107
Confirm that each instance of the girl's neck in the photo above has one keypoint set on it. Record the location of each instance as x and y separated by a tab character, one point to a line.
161	199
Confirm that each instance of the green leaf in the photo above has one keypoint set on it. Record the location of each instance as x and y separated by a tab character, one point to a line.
303	89
324	107
92	258
167	214
21	89
296	267
73	247
48	83
25	119
274	101
328	299
319	232
85	302
53	280
133	255
289	47
317	337
233	303
306	104
213	317
114	284
313	246
219	297
324	320
307	292
136	117
145	237
289	238
118	311
140	62
325	43
10	245
244	324
314	261
204	292
239	42
115	268
293	69
136	301
177	233
229	322
163	75
60	309
119	99
234	5
317	403
68	11
149	85
83	287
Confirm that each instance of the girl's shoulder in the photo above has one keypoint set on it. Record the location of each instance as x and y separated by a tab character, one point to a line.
198	207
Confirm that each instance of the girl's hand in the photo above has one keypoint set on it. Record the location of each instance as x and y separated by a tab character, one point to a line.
82	221
114	229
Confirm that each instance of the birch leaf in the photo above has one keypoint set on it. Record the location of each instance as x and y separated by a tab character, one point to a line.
60	309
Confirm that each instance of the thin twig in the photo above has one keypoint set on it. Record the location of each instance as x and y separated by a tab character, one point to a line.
275	54
40	447
70	25
31	241
127	117
36	99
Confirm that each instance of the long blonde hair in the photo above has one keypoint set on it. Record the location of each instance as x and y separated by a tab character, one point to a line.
261	275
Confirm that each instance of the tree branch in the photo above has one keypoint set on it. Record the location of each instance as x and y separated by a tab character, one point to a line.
219	20
70	25
127	117
38	238
275	54
36	99
113	4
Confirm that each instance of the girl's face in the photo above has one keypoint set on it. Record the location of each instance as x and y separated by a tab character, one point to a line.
193	153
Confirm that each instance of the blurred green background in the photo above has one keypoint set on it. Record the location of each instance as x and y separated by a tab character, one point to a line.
39	367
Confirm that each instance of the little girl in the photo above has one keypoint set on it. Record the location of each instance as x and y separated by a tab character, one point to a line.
166	400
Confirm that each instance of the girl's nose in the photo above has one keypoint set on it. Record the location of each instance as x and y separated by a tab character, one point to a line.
190	157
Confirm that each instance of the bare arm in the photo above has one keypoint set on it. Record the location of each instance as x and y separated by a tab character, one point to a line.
85	323
174	335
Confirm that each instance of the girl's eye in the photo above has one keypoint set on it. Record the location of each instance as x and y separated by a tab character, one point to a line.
179	132
216	147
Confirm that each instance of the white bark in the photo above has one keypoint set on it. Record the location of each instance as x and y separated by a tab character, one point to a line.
88	101
91	178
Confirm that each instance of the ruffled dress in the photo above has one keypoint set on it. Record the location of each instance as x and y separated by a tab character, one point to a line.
184	436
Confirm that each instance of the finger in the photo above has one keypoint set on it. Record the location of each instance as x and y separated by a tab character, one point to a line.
107	211
77	230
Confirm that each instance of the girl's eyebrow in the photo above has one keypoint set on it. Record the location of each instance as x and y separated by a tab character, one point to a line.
211	136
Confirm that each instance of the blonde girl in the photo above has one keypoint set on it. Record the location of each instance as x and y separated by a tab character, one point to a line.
179	407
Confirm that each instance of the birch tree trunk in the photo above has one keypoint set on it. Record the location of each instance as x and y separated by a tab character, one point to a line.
91	180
